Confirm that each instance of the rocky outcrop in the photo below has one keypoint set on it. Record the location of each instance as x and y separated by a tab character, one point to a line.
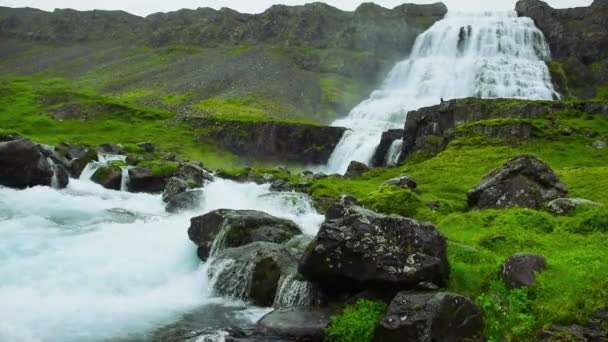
356	169
77	156
404	182
109	176
227	228
524	181
387	140
23	164
579	43
430	129
427	317
299	324
518	270
357	248
272	141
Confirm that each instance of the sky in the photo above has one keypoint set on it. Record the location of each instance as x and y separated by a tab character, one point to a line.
146	7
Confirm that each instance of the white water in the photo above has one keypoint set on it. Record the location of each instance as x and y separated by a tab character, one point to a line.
501	56
394	152
90	264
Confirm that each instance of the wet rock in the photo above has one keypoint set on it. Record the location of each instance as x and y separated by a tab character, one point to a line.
77	164
518	270
147	146
524	181
427	317
357	248
193	173
144	179
174	187
62	176
388	137
563	206
109	177
188	200
233	228
299	324
356	169
111	149
252	272
22	165
404	182
281	185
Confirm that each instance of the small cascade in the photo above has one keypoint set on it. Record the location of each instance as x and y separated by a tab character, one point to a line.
230	278
394	152
124	180
293	292
55	178
102	160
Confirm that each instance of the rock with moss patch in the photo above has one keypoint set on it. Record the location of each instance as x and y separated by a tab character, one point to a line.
111	149
110	177
518	270
226	228
403	181
194	173
22	165
299	324
151	177
147	146
524	181
363	249
356	169
281	185
564	206
427	317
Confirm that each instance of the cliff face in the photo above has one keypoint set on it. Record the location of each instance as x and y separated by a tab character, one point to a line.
313	61
579	43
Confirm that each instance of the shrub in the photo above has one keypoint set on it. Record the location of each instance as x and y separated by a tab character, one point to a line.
357	323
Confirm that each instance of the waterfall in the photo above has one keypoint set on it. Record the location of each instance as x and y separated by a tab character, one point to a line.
124	179
486	55
293	292
55	178
394	152
102	160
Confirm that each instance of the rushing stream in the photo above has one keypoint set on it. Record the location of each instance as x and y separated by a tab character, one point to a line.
488	55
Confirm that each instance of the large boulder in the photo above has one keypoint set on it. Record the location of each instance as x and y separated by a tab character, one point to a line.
299	324
193	173
524	181
429	317
357	248
356	169
233	228
188	200
22	165
147	179
109	176
253	272
518	270
174	187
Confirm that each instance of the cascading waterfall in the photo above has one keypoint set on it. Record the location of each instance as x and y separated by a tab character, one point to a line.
54	178
124	179
102	160
394	152
486	55
293	292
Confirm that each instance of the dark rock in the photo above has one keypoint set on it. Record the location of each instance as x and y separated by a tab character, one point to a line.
356	169
22	165
174	187
364	249
427	317
110	177
193	173
253	272
518	270
320	175
299	324
233	228
524	181
388	137
147	147
143	179
404	181
111	149
61	176
281	185
563	206
188	200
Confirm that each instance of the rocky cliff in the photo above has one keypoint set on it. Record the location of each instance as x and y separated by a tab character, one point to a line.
313	61
579	43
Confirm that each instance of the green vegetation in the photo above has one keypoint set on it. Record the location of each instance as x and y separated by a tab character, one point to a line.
357	322
160	168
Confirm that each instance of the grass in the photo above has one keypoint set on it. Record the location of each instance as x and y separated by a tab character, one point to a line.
357	322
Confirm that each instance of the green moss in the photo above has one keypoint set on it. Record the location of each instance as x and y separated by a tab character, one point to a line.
160	168
357	323
239	50
394	200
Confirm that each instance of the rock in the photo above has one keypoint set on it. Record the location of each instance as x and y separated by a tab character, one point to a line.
596	330
524	181
433	205
428	317
188	200
252	272
299	324
111	149
600	145
404	182
233	228
357	248
563	206
147	146
387	140
174	187
143	179
110	177
518	270
193	173
356	169
281	185
22	165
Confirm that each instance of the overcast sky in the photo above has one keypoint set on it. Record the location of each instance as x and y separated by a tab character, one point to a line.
145	7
